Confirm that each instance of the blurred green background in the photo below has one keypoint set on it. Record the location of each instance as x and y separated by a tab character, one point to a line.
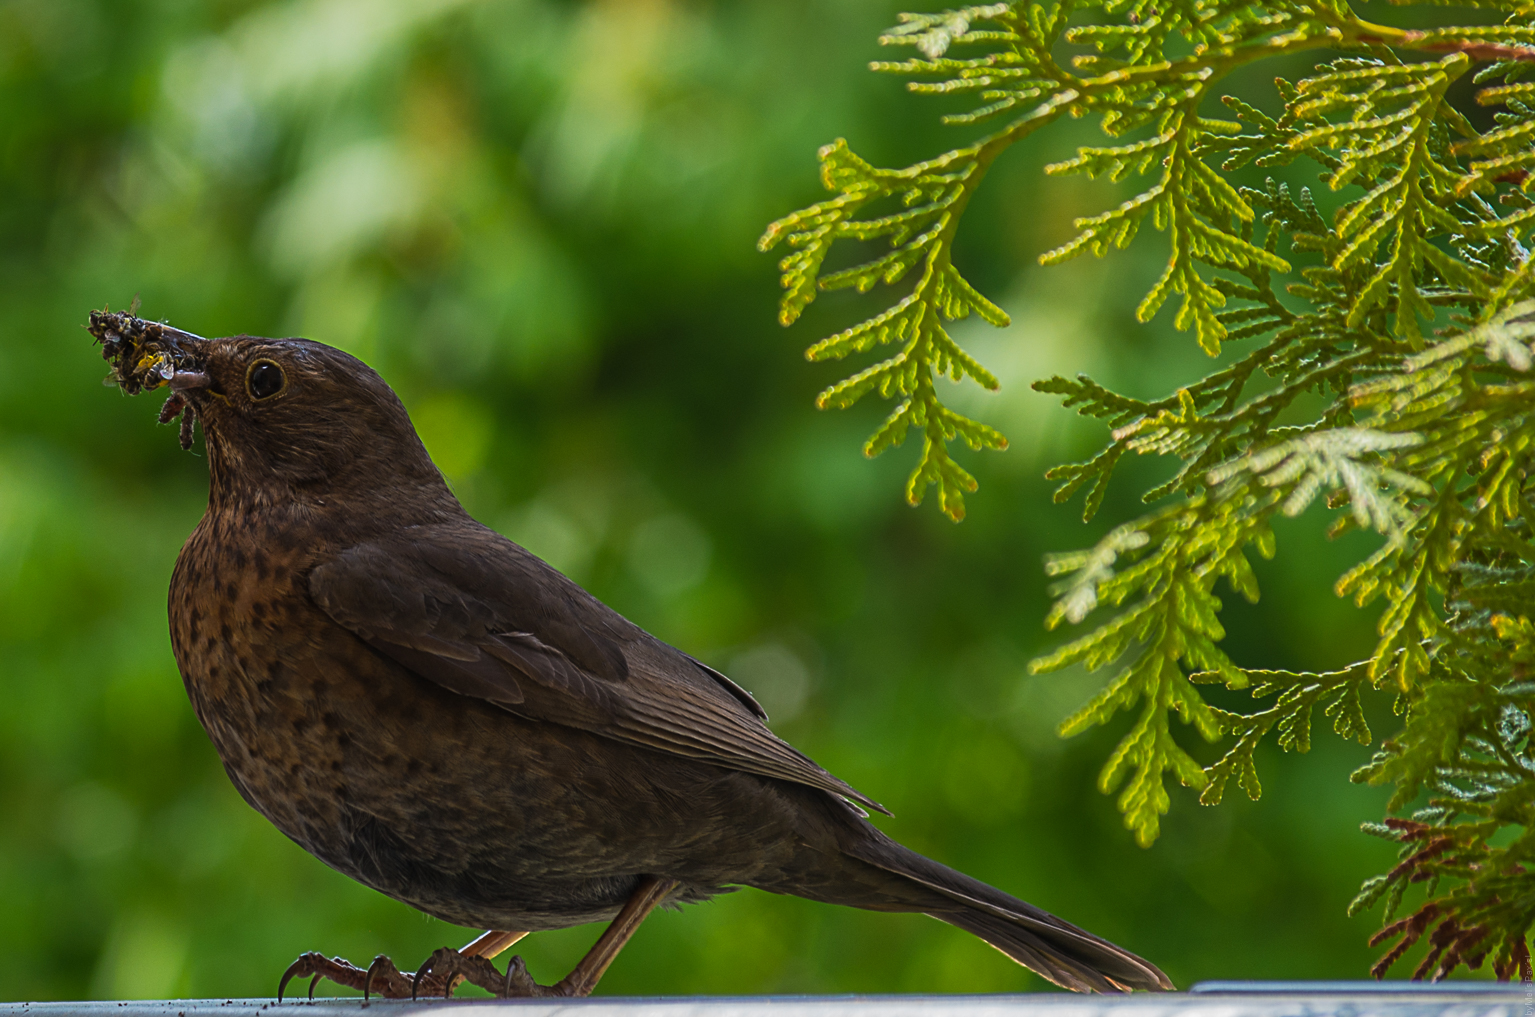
537	221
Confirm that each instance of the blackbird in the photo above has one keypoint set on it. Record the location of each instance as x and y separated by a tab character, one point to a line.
431	709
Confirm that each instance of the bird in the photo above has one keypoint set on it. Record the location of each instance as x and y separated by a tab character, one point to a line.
431	709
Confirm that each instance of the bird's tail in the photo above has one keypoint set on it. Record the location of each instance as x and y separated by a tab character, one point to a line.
1070	957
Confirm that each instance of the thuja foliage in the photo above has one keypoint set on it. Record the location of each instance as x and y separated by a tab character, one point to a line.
1409	321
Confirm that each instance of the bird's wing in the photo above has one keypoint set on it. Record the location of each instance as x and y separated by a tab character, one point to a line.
470	610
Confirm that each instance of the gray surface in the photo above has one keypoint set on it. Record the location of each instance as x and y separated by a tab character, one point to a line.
1209	999
1371	988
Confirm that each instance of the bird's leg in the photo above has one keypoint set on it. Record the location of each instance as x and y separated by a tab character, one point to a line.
583	977
382	976
491	944
450	964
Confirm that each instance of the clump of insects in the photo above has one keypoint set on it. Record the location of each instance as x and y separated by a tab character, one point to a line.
145	355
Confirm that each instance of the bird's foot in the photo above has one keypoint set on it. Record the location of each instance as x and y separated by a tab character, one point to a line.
380	977
449	966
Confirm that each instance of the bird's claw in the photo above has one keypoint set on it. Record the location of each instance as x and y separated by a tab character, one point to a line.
390	981
320	966
450	967
380	977
520	983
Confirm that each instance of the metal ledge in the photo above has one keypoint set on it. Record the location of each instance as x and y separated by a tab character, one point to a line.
1208	999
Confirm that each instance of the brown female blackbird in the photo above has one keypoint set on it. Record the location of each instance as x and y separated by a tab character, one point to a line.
429	708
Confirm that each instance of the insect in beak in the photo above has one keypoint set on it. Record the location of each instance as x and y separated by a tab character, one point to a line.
177	405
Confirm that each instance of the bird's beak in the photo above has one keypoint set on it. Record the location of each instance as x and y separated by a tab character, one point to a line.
181	381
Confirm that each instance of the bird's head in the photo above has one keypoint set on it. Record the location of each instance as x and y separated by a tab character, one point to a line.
279	415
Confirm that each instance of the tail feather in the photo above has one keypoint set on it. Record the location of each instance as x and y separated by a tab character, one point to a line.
1070	957
1031	950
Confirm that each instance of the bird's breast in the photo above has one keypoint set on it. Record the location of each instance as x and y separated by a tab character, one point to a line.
252	651
328	739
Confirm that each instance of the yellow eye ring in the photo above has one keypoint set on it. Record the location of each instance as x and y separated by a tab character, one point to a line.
265	379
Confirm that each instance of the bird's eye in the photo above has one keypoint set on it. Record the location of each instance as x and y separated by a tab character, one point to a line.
264	380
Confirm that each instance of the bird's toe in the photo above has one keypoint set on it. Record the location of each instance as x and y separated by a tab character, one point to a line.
518	983
446	967
387	980
320	966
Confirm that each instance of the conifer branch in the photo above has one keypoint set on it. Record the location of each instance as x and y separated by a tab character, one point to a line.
1129	83
1413	331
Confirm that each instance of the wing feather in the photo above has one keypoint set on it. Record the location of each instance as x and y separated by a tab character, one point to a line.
468	609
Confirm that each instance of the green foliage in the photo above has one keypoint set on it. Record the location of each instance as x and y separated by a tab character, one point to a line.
1390	376
932	195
